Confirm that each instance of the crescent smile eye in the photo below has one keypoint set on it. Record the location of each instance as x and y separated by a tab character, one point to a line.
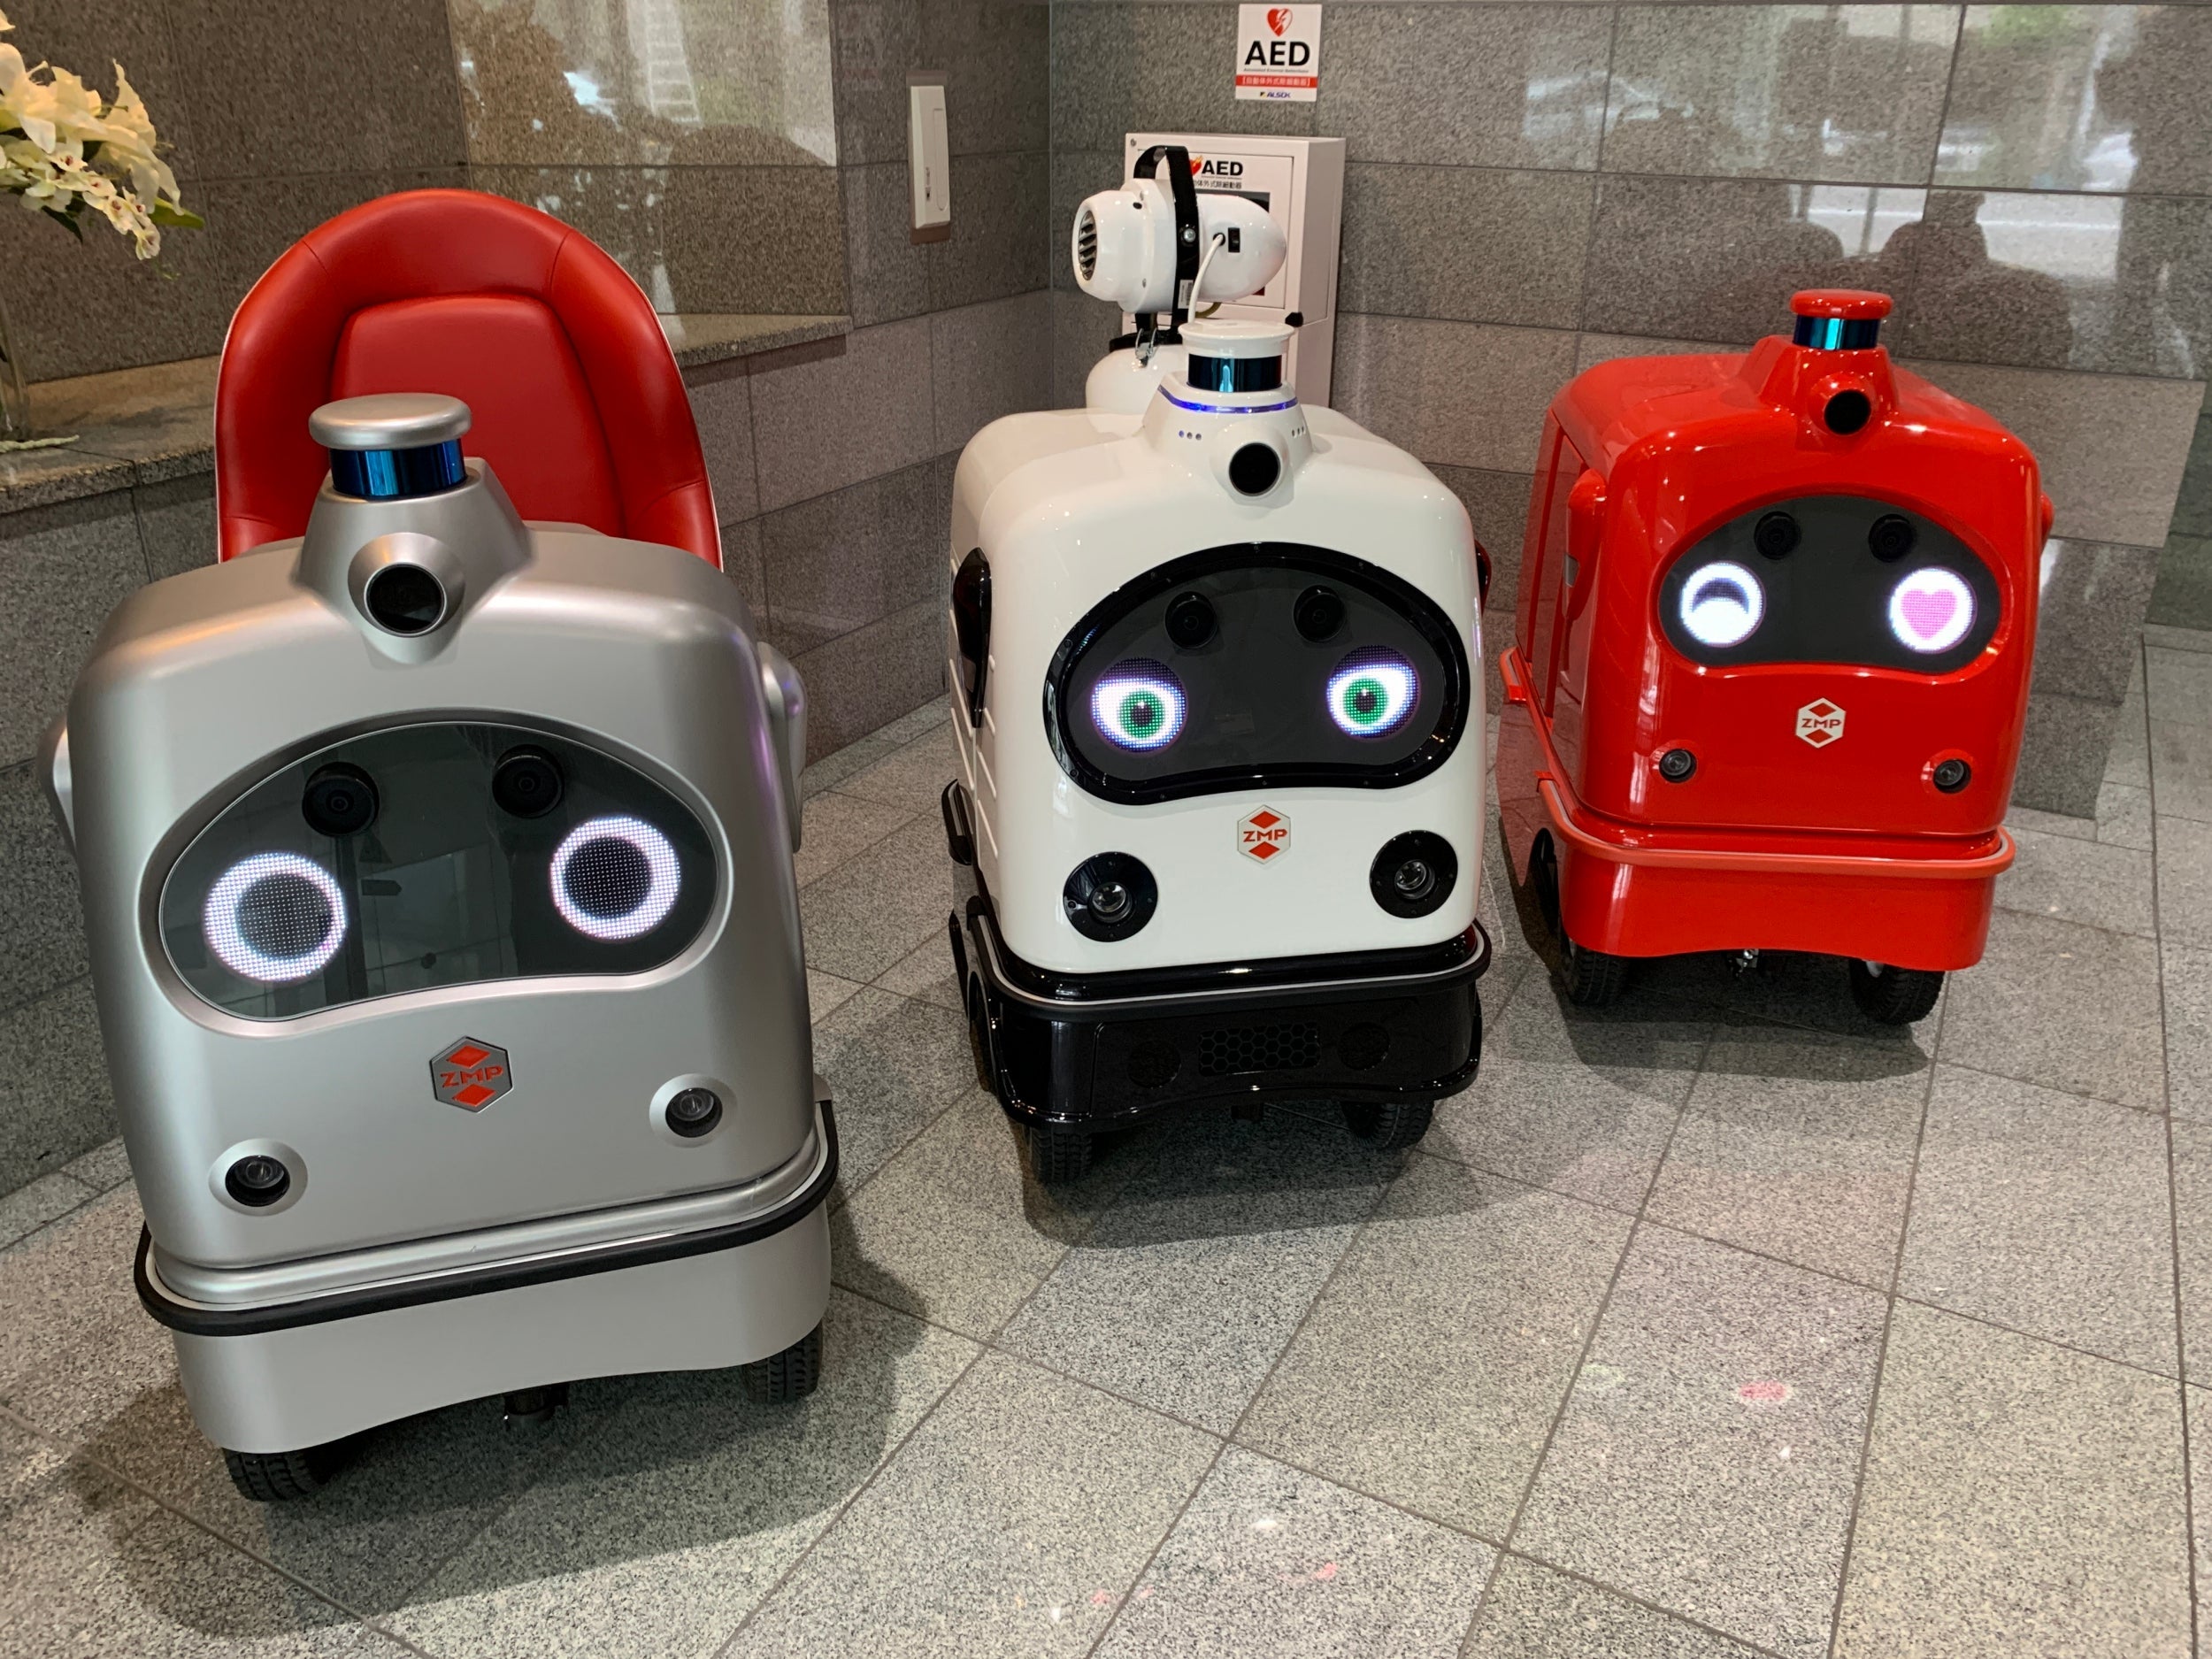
1723	605
1139	705
1372	693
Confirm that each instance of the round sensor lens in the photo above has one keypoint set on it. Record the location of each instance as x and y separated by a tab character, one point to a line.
526	783
615	877
1892	537
1721	604
339	800
1139	705
1190	620
1847	411
1775	535
1414	873
1255	468
404	599
1319	613
1372	693
257	1182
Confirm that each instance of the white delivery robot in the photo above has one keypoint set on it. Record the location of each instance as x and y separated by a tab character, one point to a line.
1214	659
437	870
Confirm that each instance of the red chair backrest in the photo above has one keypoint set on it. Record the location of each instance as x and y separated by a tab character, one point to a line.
577	401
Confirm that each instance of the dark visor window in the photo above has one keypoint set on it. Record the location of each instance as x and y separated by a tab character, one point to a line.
1830	578
428	855
1266	663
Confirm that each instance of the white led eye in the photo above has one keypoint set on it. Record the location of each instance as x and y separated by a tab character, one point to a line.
1721	604
1372	693
275	918
1931	609
1139	705
615	877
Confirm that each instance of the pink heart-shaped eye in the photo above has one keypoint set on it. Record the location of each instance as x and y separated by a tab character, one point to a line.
1929	611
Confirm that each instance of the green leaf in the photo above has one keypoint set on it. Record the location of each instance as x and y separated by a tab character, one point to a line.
168	213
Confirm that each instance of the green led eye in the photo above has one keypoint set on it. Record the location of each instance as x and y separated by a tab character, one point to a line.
1138	704
1371	692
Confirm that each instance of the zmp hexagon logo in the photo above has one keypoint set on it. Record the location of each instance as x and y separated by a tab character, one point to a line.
470	1074
1820	723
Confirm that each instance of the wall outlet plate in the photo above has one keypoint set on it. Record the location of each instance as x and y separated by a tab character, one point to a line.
928	156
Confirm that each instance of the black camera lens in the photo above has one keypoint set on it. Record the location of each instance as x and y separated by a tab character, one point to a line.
339	800
257	1180
1847	411
1892	537
1190	620
1677	765
1253	469
692	1112
1319	613
1775	535
526	783
404	599
1414	873
1109	896
1951	776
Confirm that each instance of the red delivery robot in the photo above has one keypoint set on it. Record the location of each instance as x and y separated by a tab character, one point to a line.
1769	664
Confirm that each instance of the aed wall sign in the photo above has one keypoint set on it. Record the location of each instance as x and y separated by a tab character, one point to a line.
1278	53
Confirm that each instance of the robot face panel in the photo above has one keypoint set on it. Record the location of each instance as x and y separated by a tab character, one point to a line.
434	855
1269	665
1830	578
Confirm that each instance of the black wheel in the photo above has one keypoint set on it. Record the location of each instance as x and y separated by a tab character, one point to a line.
1894	996
1388	1125
532	1409
1591	979
281	1476
791	1375
1058	1154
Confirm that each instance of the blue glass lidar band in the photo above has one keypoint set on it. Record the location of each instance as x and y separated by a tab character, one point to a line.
1838	334
1234	374
395	474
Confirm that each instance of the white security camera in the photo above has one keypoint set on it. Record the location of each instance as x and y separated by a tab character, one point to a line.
1124	246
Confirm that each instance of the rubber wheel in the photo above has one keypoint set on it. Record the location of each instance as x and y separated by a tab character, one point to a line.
791	1375
1894	996
280	1477
1591	979
1389	1125
1058	1154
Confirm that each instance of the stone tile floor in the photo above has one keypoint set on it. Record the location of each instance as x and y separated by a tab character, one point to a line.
1722	1324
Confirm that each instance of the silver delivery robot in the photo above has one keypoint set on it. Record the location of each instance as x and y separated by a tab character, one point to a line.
437	870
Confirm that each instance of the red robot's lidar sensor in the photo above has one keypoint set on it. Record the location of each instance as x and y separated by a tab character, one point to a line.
1769	662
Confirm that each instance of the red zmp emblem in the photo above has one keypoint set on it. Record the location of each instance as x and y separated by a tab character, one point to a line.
470	1074
1264	836
1820	723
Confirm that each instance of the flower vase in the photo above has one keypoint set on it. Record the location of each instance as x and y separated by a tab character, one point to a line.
15	390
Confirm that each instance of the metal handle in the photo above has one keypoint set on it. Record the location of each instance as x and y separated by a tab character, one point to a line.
784	693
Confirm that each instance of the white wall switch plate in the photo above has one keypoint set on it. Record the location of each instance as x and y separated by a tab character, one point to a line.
929	157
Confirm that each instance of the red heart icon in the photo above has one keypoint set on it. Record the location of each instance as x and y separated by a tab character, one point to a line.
1928	611
1278	19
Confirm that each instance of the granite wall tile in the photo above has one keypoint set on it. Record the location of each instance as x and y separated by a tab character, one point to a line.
1497	506
1719	258
870	677
54	1098
840	561
1593	348
351	99
1464	394
594	83
1081	327
2112	449
996	58
1519	85
874	44
1119	68
41	929
834	420
63	568
998	240
1465	243
986	361
1850	93
2115	283
886	271
2089	616
2080	98
176	524
741	564
722	409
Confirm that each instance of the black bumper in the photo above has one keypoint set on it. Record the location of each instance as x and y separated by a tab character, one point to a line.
1102	1050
